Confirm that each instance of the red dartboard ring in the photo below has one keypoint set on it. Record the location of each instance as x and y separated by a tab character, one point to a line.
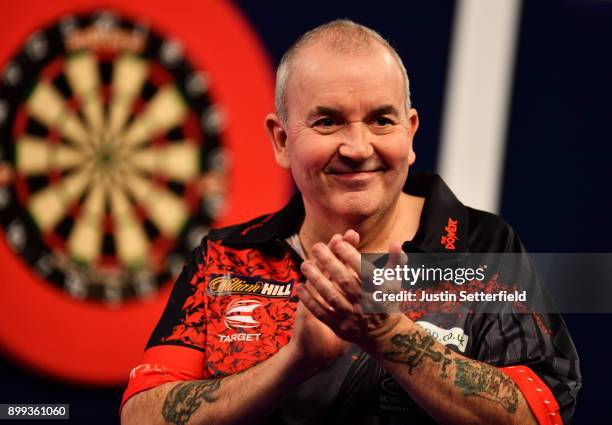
114	156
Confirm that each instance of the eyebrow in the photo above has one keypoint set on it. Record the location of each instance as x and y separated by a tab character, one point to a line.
329	111
323	110
383	110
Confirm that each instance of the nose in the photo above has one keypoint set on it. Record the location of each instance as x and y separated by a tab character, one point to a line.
356	144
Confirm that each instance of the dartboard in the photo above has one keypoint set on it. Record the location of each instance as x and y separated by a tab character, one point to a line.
112	165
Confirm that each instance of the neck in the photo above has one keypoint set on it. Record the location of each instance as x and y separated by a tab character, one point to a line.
397	223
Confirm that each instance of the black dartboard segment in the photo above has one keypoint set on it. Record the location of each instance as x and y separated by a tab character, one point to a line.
111	159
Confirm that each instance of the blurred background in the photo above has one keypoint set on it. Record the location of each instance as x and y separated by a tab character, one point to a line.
129	128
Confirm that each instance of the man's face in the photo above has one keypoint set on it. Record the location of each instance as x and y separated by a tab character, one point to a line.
349	135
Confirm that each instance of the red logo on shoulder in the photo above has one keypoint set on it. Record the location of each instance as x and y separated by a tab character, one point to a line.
450	238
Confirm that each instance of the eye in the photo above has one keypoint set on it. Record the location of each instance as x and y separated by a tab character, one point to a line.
327	125
325	122
383	121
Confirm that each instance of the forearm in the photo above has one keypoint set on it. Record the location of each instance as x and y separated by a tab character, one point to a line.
244	398
452	388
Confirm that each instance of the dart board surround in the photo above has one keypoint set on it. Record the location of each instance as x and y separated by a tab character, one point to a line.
95	167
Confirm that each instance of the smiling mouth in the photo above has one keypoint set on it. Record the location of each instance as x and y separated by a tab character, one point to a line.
354	175
344	172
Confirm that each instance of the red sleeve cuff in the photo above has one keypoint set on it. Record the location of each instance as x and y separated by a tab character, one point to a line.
162	364
537	394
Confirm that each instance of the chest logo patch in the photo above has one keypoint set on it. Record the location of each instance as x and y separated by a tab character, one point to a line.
453	336
448	240
239	314
234	284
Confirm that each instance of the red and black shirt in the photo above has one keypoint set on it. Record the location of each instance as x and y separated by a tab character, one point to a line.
233	306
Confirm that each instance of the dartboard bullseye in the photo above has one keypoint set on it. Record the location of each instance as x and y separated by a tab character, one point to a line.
112	165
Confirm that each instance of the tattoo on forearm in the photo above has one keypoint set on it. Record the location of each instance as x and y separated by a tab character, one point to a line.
414	347
487	382
186	398
472	377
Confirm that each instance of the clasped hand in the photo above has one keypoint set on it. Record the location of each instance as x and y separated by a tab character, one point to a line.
332	292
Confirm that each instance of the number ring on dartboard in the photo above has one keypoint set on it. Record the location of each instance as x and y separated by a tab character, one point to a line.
111	159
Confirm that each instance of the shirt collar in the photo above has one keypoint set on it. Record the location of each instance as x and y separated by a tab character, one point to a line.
442	228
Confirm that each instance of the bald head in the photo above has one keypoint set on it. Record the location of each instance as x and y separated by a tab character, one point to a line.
343	37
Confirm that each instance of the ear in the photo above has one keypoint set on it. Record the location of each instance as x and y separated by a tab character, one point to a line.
413	125
278	137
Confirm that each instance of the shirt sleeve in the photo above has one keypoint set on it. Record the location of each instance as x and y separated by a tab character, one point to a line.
176	349
534	349
541	401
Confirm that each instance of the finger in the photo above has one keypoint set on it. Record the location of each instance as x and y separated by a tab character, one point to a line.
366	275
351	237
323	285
316	296
349	255
352	288
338	272
329	262
334	240
312	305
395	247
343	274
397	256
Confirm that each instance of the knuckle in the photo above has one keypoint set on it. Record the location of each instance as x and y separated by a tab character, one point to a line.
334	300
344	281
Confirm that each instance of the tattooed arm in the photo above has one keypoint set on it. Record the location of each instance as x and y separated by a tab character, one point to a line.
450	387
244	398
237	399
240	398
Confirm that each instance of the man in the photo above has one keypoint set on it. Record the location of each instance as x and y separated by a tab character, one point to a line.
264	324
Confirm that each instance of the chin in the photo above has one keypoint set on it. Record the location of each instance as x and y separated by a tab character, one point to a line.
354	206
